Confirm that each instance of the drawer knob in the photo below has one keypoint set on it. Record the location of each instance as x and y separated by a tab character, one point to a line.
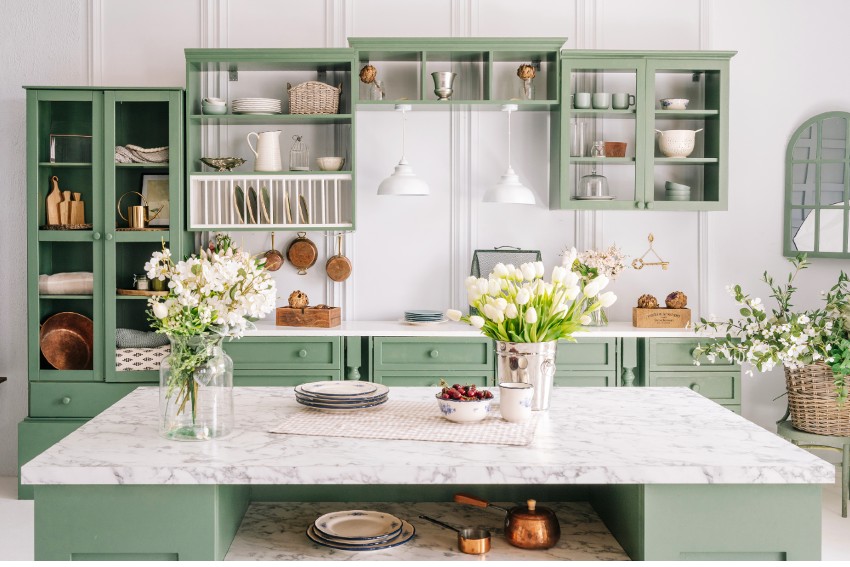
66	400
695	387
302	353
96	236
435	353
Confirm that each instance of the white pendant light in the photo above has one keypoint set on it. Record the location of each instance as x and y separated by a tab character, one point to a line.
509	189
403	181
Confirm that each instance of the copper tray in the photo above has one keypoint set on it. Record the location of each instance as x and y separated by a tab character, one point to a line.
67	341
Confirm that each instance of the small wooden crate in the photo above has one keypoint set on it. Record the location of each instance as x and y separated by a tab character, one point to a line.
663	318
309	317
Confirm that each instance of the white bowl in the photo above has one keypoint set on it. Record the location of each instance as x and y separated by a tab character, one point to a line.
674	103
460	411
677	143
330	163
214	101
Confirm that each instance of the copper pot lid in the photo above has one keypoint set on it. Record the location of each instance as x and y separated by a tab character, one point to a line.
532	512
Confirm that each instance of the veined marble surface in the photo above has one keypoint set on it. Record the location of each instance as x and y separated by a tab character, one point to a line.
267	328
272	531
588	436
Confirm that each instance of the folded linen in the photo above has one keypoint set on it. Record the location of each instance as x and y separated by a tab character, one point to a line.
131	338
77	283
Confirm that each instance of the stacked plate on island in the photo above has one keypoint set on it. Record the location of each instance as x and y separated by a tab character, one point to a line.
345	395
255	106
360	530
424	317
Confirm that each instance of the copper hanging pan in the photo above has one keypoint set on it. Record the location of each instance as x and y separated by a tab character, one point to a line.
302	253
338	267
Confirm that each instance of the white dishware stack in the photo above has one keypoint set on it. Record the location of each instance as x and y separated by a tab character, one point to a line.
424	317
677	191
255	106
341	396
360	530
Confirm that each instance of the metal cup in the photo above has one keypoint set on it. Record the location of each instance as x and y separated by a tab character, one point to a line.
443	81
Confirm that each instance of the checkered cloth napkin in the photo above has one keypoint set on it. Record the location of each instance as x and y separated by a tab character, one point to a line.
419	421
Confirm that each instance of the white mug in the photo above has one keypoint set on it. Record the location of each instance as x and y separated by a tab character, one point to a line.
515	401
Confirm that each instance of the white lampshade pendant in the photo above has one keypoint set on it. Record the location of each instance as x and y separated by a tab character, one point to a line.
403	181
509	189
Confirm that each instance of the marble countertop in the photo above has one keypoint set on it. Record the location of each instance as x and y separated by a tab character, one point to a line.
589	436
267	328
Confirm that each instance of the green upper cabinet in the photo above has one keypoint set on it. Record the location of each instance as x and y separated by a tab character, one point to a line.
75	135
639	178
298	199
485	71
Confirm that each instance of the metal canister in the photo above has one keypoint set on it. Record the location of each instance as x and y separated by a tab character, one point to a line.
533	363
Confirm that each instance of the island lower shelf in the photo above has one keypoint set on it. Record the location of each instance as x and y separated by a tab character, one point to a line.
276	531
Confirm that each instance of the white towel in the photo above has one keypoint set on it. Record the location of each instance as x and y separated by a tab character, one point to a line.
81	283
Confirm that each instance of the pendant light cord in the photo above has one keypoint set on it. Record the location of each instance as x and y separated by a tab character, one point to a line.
509	138
403	130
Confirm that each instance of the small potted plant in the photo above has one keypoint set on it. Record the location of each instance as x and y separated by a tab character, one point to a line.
813	347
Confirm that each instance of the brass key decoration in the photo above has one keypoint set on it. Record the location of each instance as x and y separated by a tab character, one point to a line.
639	263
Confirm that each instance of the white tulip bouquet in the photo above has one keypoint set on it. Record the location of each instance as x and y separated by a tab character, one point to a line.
517	305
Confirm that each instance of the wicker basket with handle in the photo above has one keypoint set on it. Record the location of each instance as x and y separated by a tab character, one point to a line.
313	97
813	401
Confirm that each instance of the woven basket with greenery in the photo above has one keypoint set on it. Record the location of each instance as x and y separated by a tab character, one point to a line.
813	401
313	97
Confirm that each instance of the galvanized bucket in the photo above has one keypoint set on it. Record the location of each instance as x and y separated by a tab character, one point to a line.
533	363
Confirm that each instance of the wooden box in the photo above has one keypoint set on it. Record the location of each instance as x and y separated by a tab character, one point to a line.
309	317
662	318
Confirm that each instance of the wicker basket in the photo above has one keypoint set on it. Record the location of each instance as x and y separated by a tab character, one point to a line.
313	97
813	401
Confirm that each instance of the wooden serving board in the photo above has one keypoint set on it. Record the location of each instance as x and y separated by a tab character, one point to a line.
309	317
662	318
147	293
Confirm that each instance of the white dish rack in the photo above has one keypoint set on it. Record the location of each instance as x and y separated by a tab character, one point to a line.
215	201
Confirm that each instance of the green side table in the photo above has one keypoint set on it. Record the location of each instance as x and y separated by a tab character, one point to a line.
826	442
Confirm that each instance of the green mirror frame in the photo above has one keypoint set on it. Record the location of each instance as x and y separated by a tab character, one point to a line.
817	187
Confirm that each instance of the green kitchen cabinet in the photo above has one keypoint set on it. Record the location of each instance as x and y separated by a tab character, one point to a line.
637	180
285	361
285	200
422	361
37	435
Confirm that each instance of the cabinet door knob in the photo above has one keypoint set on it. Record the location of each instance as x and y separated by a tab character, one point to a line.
66	400
695	387
109	236
96	236
647	206
302	353
638	204
434	353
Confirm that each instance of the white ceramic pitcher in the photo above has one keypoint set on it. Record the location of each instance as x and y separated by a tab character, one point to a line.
267	152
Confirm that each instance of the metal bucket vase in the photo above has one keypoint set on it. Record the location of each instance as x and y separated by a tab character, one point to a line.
533	363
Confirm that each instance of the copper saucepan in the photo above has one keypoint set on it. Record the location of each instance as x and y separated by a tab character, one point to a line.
527	527
475	541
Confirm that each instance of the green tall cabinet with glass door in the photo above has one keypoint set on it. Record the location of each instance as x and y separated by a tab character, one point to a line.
72	135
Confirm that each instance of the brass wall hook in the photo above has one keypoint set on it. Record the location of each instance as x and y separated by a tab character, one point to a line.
639	263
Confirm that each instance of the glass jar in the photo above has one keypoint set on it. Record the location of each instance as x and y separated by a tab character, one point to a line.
196	389
140	282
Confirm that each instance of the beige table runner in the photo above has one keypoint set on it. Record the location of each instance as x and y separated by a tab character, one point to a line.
418	421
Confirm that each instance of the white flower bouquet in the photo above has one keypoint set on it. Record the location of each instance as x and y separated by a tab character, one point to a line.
517	305
609	262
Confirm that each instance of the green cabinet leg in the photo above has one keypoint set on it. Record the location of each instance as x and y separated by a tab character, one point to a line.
122	522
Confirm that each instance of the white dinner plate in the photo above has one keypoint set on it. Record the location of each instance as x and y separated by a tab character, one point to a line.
344	402
339	388
337	409
406	534
443	320
379	391
358	525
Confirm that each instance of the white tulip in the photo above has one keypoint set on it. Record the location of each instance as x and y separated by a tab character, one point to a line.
476	321
539	269
470	281
528	271
607	299
570	258
160	310
559	273
571	292
531	316
501	303
490	312
510	268
453	314
523	296
518	275
511	311
472	296
571	279
595	286
500	270
585	320
494	287
483	285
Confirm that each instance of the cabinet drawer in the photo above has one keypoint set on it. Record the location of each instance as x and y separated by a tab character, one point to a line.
588	354
722	387
677	354
403	353
72	399
281	378
431	379
285	353
582	379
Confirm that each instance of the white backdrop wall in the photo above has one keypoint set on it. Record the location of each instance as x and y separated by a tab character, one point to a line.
414	252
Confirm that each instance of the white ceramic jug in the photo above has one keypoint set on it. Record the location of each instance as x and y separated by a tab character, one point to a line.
267	152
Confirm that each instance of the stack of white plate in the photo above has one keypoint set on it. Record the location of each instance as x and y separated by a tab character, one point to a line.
360	530
424	317
677	192
255	106
336	396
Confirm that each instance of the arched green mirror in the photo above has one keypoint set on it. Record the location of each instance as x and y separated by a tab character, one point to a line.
817	194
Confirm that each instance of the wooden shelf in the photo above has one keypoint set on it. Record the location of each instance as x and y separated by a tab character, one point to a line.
661	114
479	104
684	161
142	235
271	118
64	296
603	160
603	112
142	165
68	165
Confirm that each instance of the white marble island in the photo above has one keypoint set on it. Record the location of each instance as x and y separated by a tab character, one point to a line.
672	474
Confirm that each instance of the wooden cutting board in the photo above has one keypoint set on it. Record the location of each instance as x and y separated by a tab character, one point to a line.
51	204
78	211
